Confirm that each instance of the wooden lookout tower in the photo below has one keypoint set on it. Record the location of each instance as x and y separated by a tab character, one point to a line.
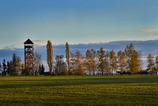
29	55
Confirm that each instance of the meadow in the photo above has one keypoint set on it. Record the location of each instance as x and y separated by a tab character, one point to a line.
127	90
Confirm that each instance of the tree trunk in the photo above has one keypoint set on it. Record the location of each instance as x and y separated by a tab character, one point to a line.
50	71
102	72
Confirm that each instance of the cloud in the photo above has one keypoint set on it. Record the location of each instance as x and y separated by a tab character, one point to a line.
149	30
152	32
39	43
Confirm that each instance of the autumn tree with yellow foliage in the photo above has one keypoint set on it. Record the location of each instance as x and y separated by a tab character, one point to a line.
134	61
50	56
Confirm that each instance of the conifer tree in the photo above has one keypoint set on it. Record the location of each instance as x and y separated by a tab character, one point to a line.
16	65
134	61
4	65
103	61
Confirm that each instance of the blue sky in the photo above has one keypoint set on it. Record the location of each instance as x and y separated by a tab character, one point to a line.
77	21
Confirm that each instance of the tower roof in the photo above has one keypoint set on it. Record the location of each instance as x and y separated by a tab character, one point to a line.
28	41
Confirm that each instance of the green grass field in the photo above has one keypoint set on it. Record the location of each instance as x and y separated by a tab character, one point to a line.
79	90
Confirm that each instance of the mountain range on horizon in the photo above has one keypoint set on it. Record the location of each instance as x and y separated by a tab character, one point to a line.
146	47
42	43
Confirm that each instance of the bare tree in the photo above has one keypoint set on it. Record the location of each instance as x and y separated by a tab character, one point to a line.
38	63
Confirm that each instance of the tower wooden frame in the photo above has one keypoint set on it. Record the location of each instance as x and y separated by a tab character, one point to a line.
29	55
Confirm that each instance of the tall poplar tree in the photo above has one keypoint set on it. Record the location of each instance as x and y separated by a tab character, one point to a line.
67	50
50	56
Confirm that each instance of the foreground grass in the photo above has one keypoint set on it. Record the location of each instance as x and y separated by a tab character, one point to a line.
79	90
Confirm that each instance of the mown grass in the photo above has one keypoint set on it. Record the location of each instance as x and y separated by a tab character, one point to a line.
141	90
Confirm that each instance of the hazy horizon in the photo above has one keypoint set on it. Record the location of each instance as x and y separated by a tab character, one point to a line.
41	43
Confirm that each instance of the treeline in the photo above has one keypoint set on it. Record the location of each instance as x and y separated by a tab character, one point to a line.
100	62
16	67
